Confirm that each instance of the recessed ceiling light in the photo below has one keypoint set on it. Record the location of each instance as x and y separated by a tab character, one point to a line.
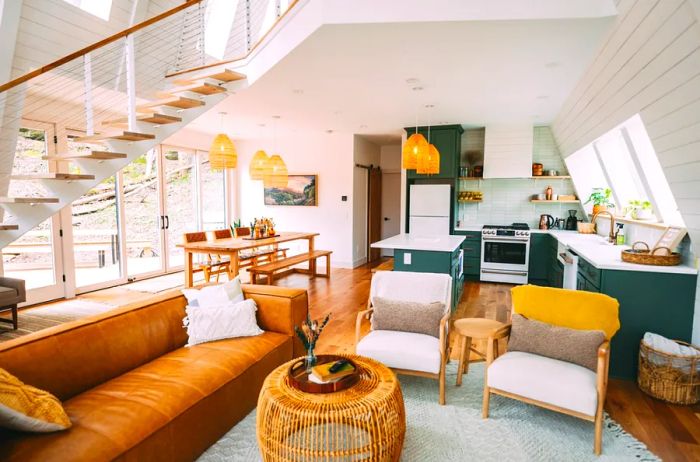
543	97
261	125
417	88
536	116
552	64
329	131
411	80
298	91
429	106
363	126
337	112
276	117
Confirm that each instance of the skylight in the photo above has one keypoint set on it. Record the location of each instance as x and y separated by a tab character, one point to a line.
219	19
99	8
624	160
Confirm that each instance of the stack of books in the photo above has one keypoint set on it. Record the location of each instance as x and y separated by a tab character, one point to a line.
321	374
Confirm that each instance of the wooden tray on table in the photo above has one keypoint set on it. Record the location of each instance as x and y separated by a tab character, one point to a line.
299	379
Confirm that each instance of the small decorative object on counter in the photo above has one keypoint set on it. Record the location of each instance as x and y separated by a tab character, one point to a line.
586	228
669	369
552	172
537	169
308	333
478	171
548	193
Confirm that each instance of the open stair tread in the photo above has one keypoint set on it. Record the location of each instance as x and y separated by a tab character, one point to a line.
6	227
28	200
225	75
94	155
179	102
151	118
119	136
53	176
203	88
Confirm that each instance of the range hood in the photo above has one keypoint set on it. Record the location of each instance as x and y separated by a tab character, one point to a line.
508	151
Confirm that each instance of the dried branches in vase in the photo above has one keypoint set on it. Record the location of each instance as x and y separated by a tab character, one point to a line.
308	333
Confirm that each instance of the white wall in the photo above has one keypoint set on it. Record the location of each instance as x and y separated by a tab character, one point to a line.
364	153
649	64
390	158
329	156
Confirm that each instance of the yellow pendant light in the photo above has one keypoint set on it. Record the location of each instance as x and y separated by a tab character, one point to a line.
416	145
429	161
222	153
429	164
276	176
258	165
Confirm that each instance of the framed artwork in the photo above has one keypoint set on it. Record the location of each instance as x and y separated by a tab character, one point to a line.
301	190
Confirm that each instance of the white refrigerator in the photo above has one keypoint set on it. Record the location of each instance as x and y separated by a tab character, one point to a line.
429	211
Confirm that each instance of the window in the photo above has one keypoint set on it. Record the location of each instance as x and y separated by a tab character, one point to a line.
218	22
99	8
625	161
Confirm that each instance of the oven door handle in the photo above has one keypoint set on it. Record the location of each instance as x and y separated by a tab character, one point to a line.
515	273
515	240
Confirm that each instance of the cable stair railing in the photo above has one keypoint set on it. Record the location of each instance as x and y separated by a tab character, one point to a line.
115	99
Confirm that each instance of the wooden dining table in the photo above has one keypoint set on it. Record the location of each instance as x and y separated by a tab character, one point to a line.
233	246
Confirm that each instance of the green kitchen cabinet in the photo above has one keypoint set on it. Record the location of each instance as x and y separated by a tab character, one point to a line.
426	261
472	254
448	141
540	259
662	303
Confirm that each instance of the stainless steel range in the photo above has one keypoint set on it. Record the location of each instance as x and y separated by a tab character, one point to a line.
505	253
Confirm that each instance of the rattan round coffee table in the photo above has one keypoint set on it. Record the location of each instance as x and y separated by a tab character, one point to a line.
365	422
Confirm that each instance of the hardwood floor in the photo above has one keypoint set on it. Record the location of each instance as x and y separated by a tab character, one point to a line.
671	432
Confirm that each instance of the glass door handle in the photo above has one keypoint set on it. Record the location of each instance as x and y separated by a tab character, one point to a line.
167	222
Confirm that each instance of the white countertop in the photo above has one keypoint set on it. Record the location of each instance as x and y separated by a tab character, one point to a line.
445	243
597	251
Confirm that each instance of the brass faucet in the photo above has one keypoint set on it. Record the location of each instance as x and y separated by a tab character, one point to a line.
611	237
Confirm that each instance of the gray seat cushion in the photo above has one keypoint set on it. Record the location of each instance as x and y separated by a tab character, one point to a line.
8	296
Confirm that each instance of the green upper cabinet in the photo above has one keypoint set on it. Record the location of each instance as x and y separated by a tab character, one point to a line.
448	141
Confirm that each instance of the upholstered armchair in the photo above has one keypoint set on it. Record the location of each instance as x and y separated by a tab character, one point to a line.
551	383
12	292
408	352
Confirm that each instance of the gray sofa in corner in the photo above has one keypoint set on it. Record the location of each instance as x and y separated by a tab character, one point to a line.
12	293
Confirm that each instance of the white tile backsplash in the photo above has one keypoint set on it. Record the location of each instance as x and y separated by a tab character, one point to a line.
508	200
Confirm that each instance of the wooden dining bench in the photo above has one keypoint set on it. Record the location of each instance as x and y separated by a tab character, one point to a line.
270	269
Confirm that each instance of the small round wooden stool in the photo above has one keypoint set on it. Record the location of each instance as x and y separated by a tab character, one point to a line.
470	329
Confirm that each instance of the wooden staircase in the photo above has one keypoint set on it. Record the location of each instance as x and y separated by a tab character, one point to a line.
115	148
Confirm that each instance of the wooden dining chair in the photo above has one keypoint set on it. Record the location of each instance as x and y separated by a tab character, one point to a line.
214	264
242	232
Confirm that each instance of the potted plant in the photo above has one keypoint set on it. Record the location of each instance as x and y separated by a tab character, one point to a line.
601	199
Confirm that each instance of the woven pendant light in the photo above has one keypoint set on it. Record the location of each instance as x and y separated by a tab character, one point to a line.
259	165
277	175
429	164
416	145
222	153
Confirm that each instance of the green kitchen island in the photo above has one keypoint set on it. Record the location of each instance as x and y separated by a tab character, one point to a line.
428	254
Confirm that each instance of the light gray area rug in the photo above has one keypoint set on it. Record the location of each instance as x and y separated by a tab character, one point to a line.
161	283
456	432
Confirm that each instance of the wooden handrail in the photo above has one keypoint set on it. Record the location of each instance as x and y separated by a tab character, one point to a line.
96	45
252	49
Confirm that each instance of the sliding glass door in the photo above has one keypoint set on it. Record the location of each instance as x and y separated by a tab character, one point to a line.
181	199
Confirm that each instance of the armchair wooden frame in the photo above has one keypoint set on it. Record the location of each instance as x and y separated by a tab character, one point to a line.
444	349
602	369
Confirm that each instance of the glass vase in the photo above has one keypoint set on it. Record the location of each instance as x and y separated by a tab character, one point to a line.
310	359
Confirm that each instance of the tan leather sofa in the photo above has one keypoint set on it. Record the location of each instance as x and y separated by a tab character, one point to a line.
134	392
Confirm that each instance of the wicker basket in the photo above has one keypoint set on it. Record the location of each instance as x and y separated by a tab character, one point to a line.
585	228
671	378
646	257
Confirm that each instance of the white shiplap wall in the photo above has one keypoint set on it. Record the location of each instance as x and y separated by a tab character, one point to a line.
648	64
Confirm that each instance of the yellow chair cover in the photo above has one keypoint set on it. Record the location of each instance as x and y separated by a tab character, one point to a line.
575	309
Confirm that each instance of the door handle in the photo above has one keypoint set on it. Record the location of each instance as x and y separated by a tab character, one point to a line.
162	222
167	222
386	218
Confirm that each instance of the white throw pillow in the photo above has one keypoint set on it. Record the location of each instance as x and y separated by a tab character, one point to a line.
213	296
220	322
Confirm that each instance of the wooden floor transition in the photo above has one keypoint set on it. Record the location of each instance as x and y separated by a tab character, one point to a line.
671	432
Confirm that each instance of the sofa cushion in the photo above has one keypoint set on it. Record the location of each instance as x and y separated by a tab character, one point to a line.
402	350
8	296
551	381
119	414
